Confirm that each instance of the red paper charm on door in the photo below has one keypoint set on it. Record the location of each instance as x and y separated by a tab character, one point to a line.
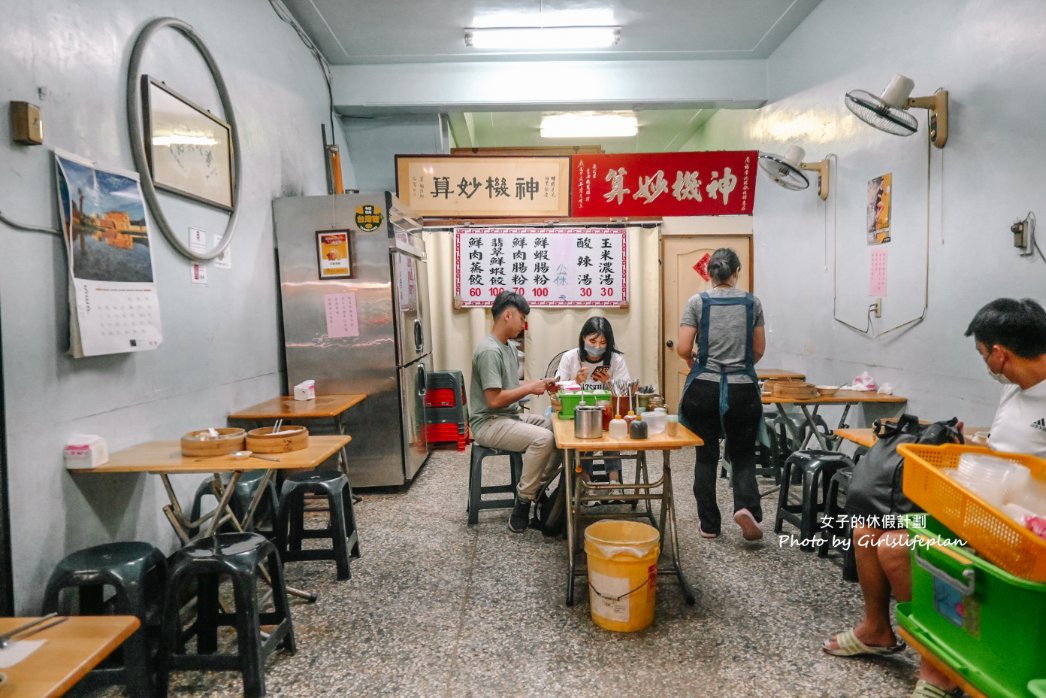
702	267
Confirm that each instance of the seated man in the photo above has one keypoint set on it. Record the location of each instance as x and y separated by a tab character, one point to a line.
1010	335
495	418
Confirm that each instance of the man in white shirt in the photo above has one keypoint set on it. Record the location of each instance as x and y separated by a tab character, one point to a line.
1010	335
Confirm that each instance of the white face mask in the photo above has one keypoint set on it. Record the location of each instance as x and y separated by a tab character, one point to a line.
999	377
593	350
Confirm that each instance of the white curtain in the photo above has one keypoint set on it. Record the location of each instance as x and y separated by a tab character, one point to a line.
637	328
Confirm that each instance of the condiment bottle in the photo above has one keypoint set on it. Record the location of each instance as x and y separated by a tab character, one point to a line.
629	418
618	428
638	429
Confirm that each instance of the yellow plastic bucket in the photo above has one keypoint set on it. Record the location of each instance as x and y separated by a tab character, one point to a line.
622	573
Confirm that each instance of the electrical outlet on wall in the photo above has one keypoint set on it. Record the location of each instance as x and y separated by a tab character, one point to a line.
877	307
1023	234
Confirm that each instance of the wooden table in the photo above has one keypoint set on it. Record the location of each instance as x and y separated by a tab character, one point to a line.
847	398
574	450
72	648
164	458
331	407
765	374
865	436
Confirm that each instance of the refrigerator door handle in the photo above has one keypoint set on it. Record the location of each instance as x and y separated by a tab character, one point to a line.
419	336
421	380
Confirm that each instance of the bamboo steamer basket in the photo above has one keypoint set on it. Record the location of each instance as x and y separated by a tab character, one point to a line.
796	390
288	438
200	443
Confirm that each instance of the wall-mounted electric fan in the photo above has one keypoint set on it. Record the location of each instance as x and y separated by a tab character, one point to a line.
787	170
889	111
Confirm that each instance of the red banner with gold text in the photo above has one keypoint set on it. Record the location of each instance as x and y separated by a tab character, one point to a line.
713	183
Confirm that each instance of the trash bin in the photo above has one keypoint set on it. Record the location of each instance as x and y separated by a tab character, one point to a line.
622	573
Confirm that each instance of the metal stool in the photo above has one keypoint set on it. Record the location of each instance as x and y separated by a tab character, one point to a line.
815	469
342	532
137	572
239	556
476	488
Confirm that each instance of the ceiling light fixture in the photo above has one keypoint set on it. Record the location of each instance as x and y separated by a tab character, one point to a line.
581	125
541	38
889	111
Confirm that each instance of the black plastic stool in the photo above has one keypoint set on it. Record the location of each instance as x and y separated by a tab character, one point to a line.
240	502
137	572
838	533
476	488
342	532
816	469
240	556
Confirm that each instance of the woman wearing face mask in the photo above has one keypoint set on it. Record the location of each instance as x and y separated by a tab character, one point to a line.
595	363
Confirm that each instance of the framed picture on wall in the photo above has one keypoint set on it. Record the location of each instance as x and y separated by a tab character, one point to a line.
189	149
335	254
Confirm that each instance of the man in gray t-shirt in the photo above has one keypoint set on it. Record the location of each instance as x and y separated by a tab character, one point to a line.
495	417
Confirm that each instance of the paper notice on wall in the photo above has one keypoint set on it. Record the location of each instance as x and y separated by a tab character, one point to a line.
113	306
877	282
198	244
224	260
342	318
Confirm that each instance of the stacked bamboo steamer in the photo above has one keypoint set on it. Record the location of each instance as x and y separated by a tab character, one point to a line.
794	389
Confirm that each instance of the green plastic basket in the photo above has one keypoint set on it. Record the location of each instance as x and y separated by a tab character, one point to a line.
985	623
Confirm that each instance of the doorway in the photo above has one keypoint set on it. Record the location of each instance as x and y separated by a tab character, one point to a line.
683	258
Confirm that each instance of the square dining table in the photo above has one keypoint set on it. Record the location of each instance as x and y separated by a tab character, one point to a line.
73	646
164	458
575	450
846	398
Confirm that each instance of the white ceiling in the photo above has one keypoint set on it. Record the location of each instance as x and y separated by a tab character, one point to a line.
374	32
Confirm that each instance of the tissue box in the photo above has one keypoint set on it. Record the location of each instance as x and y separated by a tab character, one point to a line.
85	451
306	390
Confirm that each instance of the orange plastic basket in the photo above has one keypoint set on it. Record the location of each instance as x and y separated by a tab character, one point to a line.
993	534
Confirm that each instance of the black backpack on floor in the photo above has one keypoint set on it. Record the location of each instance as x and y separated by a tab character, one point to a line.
550	513
875	489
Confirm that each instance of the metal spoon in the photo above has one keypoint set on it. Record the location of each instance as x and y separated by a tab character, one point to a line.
238	455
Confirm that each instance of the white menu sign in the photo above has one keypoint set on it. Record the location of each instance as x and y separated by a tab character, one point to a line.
565	267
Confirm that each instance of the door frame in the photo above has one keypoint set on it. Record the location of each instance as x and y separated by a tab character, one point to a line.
7	604
739	232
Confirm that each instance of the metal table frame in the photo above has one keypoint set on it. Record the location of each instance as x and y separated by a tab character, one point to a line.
641	489
846	398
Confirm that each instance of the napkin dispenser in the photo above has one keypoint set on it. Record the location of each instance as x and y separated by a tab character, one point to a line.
306	390
85	451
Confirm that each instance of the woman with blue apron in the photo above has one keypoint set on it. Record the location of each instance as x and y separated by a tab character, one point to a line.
721	393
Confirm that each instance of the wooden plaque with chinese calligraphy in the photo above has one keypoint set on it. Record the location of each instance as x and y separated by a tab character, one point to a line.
565	267
489	187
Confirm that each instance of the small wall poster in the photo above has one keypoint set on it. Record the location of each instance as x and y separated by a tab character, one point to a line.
880	191
335	260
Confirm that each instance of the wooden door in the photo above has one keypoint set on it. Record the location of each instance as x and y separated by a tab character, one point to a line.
682	256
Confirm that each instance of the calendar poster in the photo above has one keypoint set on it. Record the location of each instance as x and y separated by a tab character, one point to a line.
877	281
113	304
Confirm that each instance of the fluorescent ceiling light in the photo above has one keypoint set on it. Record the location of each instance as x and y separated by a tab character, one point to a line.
541	38
589	126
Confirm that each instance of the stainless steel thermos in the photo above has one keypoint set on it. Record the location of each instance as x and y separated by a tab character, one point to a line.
588	421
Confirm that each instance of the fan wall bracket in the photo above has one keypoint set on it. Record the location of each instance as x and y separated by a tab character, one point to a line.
938	118
821	168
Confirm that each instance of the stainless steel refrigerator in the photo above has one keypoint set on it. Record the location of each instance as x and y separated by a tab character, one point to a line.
367	331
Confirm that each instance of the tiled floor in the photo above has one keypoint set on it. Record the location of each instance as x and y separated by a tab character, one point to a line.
435	608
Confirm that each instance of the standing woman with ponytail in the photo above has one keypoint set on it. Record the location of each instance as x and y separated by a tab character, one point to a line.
721	337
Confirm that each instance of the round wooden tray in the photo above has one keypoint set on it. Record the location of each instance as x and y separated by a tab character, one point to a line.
199	443
288	438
